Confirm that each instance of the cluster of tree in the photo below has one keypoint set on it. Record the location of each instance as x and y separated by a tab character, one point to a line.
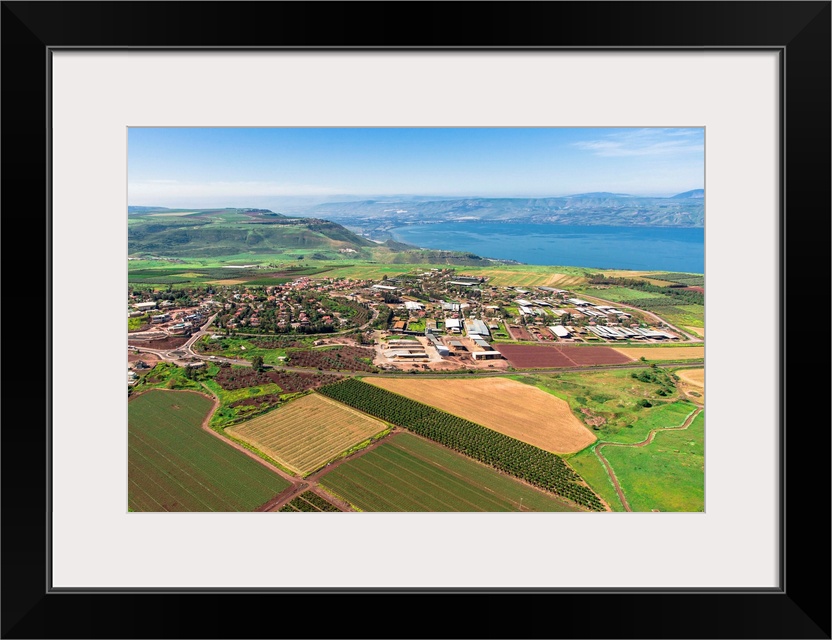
679	295
385	316
390	298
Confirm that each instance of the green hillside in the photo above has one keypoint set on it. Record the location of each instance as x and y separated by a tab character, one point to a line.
221	232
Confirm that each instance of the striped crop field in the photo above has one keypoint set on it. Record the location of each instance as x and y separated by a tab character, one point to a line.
308	432
407	473
173	465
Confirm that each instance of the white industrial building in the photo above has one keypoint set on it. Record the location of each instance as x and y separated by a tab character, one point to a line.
476	326
560	331
486	355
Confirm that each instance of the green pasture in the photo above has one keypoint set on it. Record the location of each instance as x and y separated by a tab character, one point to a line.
668	474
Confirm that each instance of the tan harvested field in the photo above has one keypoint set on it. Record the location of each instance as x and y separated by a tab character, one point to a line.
624	273
228	281
692	383
695	377
663	353
564	280
529	277
515	409
700	331
658	283
308	432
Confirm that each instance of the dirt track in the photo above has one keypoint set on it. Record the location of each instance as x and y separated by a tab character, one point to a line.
688	421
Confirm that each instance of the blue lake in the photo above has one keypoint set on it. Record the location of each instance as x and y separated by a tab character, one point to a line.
638	248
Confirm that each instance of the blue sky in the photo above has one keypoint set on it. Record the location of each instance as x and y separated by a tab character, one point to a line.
215	167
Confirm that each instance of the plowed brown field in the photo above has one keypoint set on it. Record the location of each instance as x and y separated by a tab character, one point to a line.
515	409
533	356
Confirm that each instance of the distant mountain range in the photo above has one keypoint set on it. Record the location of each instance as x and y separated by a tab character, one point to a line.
695	193
375	217
334	227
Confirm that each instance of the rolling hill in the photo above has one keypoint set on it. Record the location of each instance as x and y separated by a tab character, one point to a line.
218	232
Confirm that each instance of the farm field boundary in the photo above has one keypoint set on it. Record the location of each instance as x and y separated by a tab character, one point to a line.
512	408
507	454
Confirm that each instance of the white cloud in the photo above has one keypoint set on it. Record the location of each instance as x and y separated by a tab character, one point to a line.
645	142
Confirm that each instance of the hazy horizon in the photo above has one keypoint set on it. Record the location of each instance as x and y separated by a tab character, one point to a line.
285	167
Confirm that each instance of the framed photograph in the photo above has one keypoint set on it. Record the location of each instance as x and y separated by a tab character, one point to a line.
98	94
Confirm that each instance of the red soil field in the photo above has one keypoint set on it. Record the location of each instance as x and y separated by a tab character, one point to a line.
699	289
532	356
165	343
518	333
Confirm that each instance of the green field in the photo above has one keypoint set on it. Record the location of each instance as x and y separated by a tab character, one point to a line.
166	375
135	323
610	402
689	314
673	483
407	473
229	396
615	294
668	474
419	325
173	465
371	271
593	471
242	348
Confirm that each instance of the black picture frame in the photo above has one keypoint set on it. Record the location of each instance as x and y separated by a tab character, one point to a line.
799	608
